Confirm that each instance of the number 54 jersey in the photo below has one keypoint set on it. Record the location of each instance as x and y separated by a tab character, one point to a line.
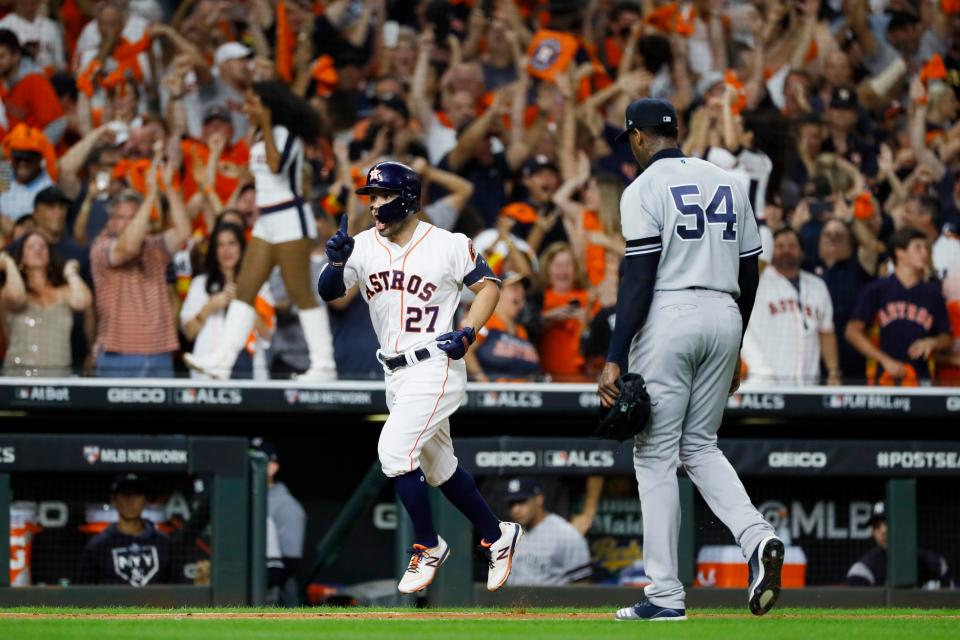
697	215
413	291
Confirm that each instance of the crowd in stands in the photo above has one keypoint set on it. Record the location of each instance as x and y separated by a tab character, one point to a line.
126	200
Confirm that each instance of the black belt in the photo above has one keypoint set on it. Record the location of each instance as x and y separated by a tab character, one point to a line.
400	361
282	206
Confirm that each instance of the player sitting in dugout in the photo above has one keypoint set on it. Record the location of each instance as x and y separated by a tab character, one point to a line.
870	570
554	552
130	551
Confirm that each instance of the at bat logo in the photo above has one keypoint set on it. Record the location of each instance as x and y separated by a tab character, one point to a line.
43	394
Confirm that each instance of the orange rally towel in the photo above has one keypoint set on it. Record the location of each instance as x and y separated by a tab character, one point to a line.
550	53
285	44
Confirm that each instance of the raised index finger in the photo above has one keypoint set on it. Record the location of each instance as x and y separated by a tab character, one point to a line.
344	221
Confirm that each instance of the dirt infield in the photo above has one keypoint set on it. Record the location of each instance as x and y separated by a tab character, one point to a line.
514	615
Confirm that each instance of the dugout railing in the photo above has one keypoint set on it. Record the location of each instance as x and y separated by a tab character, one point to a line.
508	456
235	487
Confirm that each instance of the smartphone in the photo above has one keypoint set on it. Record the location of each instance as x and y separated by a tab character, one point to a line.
820	208
102	180
391	33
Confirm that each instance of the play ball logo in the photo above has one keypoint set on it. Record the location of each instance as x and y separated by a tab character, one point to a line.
547	53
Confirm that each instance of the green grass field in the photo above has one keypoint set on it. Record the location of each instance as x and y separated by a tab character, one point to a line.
469	624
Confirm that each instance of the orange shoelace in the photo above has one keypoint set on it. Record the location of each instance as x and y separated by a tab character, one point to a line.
418	552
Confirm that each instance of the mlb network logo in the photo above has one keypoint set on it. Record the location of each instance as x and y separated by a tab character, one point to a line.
91	454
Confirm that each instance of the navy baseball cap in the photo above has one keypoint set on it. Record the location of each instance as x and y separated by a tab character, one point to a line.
217	112
877	515
51	195
843	98
128	483
265	447
648	112
520	489
536	163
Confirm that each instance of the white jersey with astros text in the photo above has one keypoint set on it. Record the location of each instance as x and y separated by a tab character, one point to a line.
697	215
413	291
782	343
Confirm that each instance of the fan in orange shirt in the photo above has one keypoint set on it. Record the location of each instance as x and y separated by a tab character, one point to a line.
231	164
567	308
597	242
503	351
27	97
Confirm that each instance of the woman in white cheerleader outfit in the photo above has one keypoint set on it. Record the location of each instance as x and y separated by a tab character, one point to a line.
283	234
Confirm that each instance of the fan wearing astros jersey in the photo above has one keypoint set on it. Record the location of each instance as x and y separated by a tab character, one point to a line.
411	274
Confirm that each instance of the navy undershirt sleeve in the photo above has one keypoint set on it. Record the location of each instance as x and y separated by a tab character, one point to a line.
748	280
330	283
633	303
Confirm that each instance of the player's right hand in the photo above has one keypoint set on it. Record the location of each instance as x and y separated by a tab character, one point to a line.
737	372
608	387
340	246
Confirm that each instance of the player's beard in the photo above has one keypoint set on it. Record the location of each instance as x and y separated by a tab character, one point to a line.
786	264
390	229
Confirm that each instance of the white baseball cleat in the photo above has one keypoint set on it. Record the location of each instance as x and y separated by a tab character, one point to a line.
423	566
319	373
500	554
206	366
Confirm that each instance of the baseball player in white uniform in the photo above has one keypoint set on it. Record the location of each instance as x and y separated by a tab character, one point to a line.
792	323
411	274
689	281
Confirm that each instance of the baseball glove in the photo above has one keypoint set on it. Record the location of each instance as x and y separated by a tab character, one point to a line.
629	414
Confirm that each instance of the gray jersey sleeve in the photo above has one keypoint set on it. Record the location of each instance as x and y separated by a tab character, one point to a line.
642	225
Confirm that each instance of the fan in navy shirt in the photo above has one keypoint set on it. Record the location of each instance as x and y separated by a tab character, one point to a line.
911	313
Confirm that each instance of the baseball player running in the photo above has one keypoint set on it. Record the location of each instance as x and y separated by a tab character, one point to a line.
411	274
689	283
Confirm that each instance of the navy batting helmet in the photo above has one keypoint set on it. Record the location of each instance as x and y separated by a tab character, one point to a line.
396	178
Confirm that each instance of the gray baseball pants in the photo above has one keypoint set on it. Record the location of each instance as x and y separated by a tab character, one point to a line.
687	352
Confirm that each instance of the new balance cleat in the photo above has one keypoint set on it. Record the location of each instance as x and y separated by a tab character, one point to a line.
423	566
500	554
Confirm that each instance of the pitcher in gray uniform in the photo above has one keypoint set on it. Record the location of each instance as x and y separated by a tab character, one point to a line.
689	283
